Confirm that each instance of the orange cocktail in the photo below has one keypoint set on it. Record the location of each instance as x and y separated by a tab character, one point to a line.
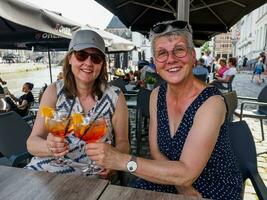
89	130
59	127
92	131
58	123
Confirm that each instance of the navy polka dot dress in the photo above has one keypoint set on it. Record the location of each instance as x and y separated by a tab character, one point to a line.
221	178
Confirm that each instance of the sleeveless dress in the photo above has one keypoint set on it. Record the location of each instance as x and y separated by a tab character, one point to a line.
221	178
76	154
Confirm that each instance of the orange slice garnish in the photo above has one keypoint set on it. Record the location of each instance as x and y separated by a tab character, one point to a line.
77	118
47	111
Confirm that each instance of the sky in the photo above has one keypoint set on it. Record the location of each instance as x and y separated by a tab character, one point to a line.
81	11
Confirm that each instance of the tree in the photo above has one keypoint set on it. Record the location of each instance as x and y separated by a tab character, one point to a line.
205	47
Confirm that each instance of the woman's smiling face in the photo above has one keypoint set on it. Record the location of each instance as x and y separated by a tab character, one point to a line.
88	70
180	58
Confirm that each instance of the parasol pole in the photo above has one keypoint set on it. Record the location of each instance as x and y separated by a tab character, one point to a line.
49	62
183	10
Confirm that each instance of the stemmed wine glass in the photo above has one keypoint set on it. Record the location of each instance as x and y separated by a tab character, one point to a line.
90	130
59	123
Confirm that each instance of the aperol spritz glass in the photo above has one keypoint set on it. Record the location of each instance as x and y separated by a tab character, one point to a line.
59	123
90	130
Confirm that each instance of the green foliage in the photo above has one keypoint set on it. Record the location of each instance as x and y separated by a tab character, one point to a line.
205	47
150	80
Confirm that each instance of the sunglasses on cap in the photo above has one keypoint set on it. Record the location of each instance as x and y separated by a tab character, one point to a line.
81	56
161	27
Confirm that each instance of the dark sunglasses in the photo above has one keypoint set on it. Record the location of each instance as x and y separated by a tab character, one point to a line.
161	27
81	56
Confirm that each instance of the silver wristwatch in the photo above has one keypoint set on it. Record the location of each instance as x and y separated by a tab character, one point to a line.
132	164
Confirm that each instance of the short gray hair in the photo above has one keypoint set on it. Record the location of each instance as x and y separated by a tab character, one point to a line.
172	31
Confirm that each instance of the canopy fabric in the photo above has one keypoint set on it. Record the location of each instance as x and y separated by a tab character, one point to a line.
207	17
23	26
26	26
117	43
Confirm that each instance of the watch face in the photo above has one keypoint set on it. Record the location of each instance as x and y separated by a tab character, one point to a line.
131	166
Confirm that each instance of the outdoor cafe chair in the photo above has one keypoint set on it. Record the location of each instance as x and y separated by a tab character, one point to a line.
142	117
244	148
230	99
224	85
259	113
14	132
118	82
202	77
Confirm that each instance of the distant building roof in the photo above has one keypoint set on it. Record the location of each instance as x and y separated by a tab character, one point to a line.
115	23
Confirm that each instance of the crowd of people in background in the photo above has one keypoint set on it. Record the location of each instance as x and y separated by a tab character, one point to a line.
220	68
212	69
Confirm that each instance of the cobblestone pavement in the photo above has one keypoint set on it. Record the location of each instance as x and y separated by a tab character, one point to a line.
244	87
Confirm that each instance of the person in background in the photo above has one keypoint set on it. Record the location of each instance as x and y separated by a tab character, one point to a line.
83	89
259	69
1	88
239	63
147	68
222	68
208	60
263	56
21	104
42	92
200	69
140	82
189	142
231	71
245	60
2	81
60	76
152	64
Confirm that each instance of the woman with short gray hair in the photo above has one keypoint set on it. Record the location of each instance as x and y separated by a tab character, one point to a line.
188	136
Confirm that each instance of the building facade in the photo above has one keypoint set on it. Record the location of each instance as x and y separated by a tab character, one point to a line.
250	33
142	44
223	45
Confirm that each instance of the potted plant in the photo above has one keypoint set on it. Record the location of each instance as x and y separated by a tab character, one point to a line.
150	81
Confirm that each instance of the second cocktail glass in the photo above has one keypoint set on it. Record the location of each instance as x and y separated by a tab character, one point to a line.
90	130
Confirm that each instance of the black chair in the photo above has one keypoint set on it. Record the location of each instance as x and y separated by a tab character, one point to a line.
244	148
142	116
14	132
230	99
119	83
202	77
224	85
259	113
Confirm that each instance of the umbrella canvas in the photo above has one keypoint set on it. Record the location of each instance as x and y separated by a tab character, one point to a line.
207	17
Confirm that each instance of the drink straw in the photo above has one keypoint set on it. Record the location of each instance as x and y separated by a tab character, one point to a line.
68	116
93	120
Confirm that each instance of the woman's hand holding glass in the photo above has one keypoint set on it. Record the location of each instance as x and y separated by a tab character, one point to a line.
57	146
59	125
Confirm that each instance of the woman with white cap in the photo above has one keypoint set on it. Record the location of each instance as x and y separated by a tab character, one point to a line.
83	89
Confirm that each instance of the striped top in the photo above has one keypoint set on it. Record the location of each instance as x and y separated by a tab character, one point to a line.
77	156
